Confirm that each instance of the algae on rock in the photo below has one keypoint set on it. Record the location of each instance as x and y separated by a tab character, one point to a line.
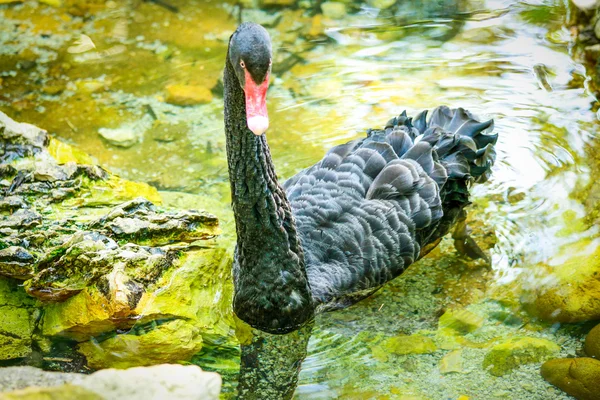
514	352
103	259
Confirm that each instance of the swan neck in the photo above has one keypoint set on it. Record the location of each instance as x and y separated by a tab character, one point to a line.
271	289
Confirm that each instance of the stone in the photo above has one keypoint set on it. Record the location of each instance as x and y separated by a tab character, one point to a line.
277	3
104	261
409	344
461	321
120	137
64	392
15	332
158	382
171	342
187	95
333	9
592	343
579	377
18	378
16	322
585	5
20	139
567	287
16	262
381	4
452	362
21	219
510	354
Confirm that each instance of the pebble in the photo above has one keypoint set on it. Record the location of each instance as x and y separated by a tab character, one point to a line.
334	10
187	95
381	4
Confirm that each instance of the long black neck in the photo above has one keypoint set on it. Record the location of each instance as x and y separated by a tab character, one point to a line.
271	289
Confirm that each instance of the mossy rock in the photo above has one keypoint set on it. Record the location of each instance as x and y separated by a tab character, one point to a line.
579	377
462	321
63	392
16	322
510	354
592	343
171	342
568	286
402	345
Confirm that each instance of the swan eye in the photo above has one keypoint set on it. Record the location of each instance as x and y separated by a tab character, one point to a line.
242	64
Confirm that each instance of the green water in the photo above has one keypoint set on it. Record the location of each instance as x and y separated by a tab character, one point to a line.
507	60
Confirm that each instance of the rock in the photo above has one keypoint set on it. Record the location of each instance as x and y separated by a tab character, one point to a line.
408	344
193	294
277	3
64	392
333	10
567	287
103	260
145	348
381	4
16	322
592	343
120	137
16	262
139	221
15	332
21	219
462	321
156	383
585	5
579	377
144	383
19	139
510	354
18	378
187	95
452	362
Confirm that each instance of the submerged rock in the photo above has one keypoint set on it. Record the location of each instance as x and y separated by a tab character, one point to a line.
137	348
187	95
143	383
579	377
567	287
514	352
461	321
402	345
592	343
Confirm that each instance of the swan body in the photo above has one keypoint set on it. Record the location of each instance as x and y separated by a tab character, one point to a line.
337	231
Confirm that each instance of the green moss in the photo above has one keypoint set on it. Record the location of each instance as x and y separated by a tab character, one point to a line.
512	353
16	329
172	342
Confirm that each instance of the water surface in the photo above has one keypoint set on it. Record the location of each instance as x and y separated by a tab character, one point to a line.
506	60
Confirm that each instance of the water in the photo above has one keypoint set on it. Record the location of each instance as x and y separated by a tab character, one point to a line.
507	60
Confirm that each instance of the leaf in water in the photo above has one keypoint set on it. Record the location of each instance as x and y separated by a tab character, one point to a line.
83	44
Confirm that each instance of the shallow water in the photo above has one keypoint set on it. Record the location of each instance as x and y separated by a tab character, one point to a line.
505	60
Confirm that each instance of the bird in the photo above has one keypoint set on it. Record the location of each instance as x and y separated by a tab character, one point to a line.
337	231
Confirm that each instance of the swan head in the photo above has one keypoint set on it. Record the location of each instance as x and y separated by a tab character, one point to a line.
250	55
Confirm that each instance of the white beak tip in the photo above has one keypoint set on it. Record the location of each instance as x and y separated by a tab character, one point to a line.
258	124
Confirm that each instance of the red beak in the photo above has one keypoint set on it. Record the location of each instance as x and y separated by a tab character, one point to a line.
256	104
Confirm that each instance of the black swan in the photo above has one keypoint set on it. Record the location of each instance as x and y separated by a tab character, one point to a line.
337	231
